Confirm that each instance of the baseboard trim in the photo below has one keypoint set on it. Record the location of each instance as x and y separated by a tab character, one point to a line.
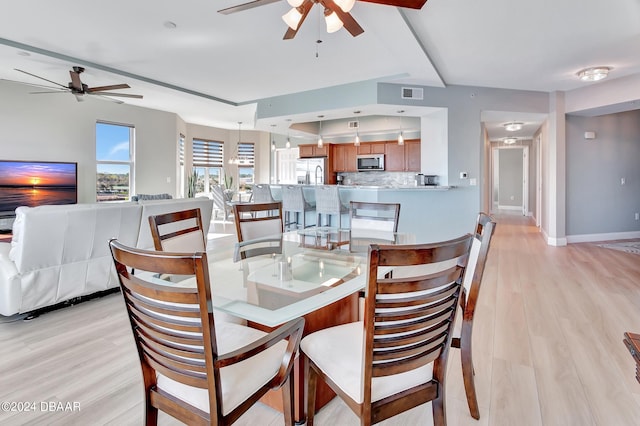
588	238
509	207
557	242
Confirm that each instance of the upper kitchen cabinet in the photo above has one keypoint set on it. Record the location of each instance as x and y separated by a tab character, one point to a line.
343	157
312	150
393	157
402	158
412	155
371	148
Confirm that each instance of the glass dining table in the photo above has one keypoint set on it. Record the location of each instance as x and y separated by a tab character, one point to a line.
315	273
297	273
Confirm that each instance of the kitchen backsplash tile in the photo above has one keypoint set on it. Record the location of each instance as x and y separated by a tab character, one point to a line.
379	178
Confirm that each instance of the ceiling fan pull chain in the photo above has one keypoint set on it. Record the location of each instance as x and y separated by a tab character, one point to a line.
317	48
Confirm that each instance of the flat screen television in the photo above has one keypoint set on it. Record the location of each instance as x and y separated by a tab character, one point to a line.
36	183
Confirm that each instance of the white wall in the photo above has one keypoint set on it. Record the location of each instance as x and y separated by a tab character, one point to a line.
56	127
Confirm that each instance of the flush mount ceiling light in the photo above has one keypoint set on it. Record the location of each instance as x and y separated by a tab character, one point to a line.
593	73
509	141
336	12
513	126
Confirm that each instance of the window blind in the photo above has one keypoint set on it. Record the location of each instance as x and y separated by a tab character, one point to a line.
246	154
207	153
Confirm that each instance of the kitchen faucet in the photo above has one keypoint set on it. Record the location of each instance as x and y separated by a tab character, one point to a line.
316	174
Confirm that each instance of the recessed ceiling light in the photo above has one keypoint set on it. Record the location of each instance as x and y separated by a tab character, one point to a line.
593	73
170	25
513	126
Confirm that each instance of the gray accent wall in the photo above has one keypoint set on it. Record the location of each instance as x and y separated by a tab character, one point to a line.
597	201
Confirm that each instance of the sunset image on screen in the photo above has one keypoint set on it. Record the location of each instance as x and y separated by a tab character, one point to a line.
23	174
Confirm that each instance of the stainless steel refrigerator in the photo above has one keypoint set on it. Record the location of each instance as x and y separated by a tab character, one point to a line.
311	171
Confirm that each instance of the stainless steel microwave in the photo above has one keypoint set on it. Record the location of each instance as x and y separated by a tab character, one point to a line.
368	163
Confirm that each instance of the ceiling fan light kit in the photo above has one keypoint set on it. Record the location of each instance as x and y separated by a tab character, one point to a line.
292	18
336	12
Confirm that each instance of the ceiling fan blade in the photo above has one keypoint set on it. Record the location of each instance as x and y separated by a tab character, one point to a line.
44	93
306	8
75	80
121	95
350	24
410	4
41	78
246	6
112	87
42	86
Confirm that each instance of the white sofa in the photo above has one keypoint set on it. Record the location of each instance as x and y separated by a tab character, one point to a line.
61	252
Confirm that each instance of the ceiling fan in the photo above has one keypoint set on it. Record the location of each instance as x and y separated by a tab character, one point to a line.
79	89
336	12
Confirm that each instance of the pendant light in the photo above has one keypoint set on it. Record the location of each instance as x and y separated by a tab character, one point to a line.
401	135
234	158
273	141
320	142
357	141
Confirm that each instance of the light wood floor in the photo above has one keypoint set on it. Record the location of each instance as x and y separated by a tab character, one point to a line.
548	348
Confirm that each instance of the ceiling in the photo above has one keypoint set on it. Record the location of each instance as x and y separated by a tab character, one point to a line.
212	68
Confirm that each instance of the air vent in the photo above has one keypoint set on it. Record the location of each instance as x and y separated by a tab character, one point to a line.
412	93
353	125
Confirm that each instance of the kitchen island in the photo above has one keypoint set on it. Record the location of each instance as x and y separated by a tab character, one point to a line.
423	210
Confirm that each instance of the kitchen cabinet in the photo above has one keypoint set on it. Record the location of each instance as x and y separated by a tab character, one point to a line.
393	157
412	155
343	158
402	158
371	148
312	150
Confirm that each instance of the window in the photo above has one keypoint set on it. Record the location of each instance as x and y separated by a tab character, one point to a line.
114	162
246	165
207	163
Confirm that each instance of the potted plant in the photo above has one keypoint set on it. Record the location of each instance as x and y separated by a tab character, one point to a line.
228	185
192	181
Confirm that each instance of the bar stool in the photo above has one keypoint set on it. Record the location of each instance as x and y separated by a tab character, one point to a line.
261	193
328	203
293	201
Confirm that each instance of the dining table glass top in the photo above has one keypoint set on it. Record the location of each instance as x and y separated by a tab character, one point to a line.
296	273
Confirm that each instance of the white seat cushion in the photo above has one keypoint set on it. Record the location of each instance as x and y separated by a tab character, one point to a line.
338	352
238	381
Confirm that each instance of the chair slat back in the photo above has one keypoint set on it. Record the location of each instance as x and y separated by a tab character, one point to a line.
172	326
256	221
180	231
485	227
366	216
409	320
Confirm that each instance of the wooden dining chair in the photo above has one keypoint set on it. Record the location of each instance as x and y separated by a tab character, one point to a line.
194	369
180	231
396	359
463	336
259	227
372	223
